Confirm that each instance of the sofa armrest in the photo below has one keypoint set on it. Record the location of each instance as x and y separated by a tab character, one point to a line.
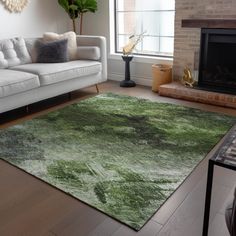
97	41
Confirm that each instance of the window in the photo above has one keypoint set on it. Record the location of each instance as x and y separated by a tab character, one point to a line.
155	17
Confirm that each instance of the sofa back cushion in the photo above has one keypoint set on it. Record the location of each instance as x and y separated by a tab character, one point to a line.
13	52
89	53
30	45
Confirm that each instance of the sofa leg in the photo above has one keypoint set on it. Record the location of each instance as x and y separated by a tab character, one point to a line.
27	109
97	88
69	96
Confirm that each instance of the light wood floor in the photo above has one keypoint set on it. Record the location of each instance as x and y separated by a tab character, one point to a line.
31	207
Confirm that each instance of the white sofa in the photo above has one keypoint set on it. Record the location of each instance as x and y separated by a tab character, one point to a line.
23	82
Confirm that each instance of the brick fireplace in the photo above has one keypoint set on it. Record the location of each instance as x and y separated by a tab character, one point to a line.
187	39
191	17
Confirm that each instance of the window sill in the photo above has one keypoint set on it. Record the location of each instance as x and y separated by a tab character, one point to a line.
144	59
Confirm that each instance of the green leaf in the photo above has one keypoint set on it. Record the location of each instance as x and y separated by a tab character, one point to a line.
70	8
73	7
86	5
64	4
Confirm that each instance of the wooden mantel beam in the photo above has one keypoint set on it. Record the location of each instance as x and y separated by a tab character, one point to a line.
209	23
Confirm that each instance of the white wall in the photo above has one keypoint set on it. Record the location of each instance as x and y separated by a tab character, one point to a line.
38	16
98	24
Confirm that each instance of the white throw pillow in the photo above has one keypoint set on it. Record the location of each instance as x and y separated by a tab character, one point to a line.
70	36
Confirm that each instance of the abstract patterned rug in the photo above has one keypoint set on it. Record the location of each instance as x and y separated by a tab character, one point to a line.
122	155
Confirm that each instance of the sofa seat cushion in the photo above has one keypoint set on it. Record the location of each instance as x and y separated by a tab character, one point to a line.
57	72
13	82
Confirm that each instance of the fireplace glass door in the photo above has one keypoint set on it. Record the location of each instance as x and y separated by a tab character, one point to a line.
217	71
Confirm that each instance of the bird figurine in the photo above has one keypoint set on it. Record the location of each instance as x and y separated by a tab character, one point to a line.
132	43
187	78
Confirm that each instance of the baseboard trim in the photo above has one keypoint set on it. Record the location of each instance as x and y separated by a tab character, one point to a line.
139	80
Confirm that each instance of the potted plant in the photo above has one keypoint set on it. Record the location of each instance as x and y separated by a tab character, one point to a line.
76	9
85	6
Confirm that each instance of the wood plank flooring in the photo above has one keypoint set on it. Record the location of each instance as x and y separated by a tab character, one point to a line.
29	206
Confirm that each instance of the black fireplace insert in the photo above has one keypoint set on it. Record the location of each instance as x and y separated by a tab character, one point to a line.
217	68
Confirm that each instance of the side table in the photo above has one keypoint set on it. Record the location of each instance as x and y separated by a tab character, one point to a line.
224	157
128	83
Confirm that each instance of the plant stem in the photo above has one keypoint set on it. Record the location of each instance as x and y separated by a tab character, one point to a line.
74	27
81	23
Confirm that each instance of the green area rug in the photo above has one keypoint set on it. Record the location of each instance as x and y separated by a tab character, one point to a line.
122	155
